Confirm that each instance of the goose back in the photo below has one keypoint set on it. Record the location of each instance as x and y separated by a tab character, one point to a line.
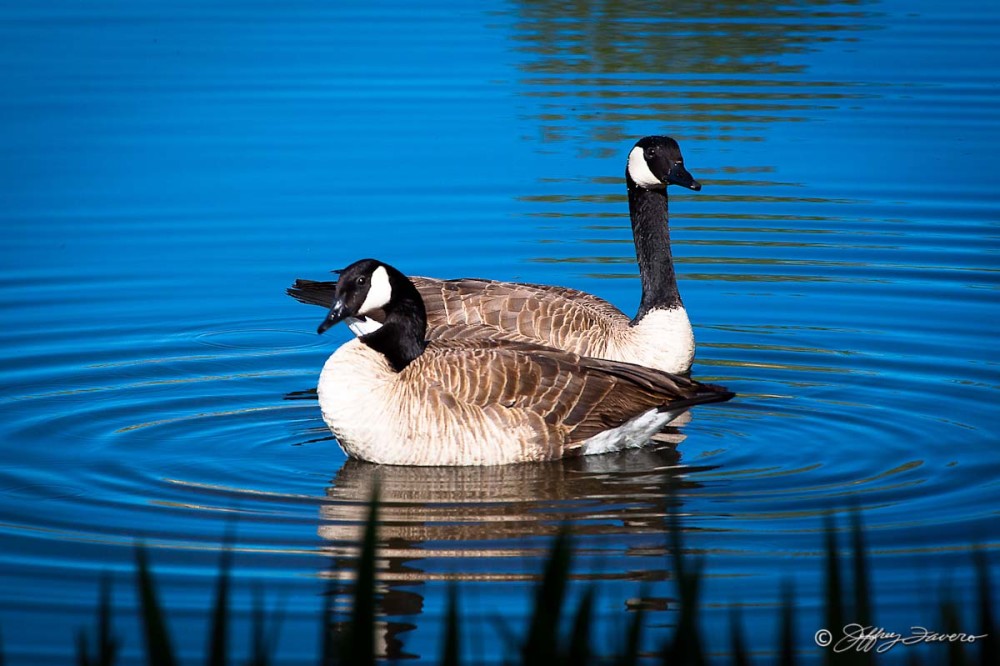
558	317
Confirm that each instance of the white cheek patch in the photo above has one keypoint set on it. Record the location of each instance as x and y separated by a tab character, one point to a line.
639	170
379	292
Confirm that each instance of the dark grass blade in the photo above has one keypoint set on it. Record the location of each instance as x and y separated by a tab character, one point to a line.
863	611
630	655
82	649
989	645
951	621
159	651
834	584
258	634
451	655
847	602
265	631
277	618
107	644
686	647
578	650
328	637
218	639
359	643
541	645
787	639
738	645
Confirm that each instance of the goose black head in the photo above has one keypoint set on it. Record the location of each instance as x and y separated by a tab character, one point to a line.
656	162
369	288
364	289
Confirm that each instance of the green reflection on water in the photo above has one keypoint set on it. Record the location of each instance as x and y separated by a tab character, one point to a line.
680	63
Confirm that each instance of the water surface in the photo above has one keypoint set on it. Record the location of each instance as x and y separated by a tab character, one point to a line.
168	169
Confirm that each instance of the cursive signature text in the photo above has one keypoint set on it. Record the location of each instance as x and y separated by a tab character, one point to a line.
877	639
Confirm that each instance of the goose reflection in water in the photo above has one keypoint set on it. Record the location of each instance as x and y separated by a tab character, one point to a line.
495	524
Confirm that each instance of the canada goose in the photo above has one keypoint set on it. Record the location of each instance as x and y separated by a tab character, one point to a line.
659	336
390	396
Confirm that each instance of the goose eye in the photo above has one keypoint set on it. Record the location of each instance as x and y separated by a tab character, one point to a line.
361	280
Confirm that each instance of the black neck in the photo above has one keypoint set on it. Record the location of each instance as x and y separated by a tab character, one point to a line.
401	337
651	231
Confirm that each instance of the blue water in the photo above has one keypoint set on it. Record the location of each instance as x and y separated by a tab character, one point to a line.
168	169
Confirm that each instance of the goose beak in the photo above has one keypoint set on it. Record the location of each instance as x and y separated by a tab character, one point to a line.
679	176
338	312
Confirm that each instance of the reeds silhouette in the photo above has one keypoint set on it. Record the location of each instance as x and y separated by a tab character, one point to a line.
352	641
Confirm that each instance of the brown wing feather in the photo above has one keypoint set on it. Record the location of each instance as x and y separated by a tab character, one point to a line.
567	398
554	316
510	296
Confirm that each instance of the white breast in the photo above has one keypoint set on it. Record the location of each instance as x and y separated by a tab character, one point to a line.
381	416
349	387
662	340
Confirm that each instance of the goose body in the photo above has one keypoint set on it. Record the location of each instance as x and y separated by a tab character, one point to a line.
392	397
559	317
658	337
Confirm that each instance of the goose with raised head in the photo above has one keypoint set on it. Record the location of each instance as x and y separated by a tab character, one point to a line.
659	336
391	396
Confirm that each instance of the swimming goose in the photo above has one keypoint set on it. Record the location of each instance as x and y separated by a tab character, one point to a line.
659	336
392	397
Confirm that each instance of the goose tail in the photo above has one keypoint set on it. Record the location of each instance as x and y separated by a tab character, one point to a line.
700	394
640	430
312	292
